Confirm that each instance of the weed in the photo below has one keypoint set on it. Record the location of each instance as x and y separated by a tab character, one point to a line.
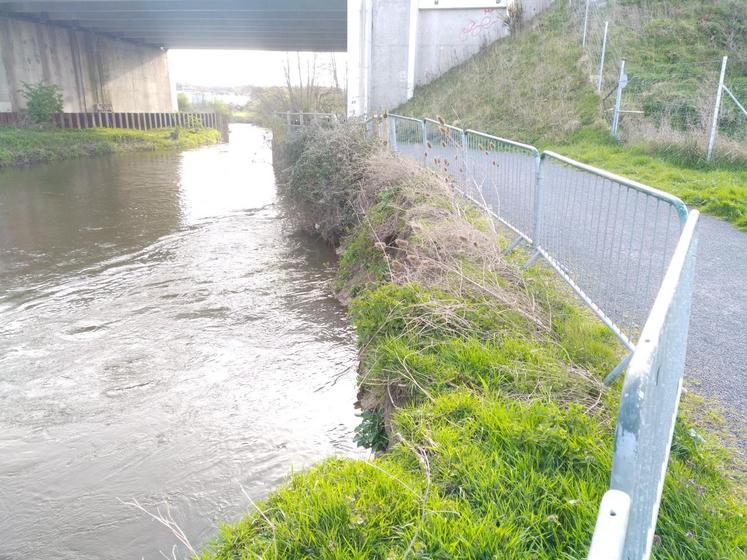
370	433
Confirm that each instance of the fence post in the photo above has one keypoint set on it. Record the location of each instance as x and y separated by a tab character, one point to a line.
424	127
621	83
392	133
717	110
586	23
464	160
536	210
601	59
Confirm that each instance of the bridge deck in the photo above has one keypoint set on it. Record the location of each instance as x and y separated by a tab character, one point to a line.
282	25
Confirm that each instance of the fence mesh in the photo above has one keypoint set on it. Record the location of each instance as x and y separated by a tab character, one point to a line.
501	176
669	98
610	237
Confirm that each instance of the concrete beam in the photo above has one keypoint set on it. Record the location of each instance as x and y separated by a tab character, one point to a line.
267	24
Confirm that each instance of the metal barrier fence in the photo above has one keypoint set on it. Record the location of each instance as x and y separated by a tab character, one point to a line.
648	410
502	174
610	238
628	251
407	138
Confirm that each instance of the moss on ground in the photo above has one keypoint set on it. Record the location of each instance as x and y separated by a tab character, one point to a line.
24	146
484	381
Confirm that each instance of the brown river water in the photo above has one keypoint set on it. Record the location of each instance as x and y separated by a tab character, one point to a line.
164	336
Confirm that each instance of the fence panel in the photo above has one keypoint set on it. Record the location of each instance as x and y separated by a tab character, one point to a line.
609	237
374	128
648	409
406	136
501	176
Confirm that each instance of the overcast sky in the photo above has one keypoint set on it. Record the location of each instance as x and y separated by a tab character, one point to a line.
259	68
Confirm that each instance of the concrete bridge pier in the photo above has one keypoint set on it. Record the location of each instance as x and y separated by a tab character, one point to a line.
92	69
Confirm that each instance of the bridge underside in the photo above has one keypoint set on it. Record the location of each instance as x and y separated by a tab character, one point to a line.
281	25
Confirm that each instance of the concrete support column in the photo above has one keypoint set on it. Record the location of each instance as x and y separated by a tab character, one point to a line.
412	47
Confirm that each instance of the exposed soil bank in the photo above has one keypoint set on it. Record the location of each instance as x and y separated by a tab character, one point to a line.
23	146
480	385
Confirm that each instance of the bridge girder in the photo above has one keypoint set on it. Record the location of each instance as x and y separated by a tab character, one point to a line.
283	25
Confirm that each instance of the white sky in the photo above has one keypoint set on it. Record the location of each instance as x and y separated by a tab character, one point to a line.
258	68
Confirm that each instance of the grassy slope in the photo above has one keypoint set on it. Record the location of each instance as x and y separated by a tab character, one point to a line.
500	432
20	146
534	87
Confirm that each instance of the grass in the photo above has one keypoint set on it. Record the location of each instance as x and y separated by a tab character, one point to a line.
534	87
482	382
23	146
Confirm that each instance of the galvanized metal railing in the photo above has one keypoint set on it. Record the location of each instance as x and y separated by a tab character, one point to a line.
648	410
502	174
628	251
609	237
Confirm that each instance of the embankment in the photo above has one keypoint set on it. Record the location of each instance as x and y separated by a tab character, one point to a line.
480	385
24	146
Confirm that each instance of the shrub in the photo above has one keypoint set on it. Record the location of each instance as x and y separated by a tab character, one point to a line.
42	101
322	179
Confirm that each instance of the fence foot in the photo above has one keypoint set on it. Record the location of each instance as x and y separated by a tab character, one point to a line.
619	368
532	259
514	245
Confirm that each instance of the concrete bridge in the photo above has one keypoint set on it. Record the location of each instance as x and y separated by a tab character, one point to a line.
113	52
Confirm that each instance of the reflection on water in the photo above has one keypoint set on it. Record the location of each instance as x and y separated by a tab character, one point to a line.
162	337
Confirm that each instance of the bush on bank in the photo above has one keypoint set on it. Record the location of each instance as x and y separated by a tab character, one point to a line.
481	380
24	146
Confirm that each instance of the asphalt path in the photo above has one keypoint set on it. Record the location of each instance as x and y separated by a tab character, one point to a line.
717	344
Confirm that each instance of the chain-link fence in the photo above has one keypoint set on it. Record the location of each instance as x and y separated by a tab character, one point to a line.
627	250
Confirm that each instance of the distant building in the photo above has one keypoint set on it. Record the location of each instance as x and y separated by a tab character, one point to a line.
205	96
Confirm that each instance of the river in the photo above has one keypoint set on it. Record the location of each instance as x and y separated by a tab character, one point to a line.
164	337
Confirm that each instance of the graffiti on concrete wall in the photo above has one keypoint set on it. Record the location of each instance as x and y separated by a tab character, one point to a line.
491	18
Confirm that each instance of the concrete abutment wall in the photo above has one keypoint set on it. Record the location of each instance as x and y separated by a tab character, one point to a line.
91	69
395	45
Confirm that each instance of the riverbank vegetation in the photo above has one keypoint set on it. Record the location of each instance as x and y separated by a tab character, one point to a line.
24	146
535	87
480	385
